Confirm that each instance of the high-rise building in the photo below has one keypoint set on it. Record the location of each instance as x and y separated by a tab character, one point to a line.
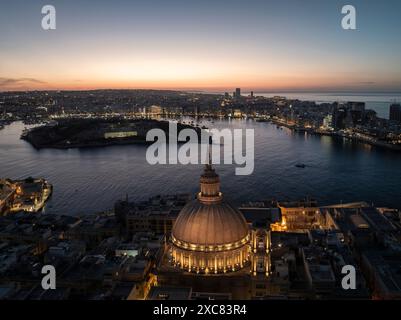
357	106
395	112
357	111
339	115
238	92
328	122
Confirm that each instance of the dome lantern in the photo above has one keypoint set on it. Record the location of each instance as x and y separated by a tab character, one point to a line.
210	186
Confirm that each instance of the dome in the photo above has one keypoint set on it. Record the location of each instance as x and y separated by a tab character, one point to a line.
209	235
210	224
209	221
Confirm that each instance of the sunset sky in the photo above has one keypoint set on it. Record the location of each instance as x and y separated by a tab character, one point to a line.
286	45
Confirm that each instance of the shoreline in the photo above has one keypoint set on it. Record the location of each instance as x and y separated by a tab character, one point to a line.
338	134
84	146
98	131
29	195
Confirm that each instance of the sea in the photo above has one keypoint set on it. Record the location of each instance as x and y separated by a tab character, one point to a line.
90	180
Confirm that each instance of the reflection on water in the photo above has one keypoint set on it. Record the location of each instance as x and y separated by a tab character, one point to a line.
92	179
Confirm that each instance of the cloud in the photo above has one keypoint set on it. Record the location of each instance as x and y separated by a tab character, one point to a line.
19	81
368	82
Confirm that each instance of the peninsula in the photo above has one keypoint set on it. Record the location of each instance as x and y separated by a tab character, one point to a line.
95	132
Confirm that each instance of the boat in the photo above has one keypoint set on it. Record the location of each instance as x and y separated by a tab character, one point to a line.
300	165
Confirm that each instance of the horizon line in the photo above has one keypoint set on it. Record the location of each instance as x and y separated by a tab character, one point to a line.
210	90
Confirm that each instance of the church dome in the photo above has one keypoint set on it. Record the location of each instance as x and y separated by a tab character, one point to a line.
209	223
206	225
209	235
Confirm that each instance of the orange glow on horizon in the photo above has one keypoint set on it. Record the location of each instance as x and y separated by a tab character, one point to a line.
278	84
86	71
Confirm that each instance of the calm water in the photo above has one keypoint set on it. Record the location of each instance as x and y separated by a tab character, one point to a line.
88	180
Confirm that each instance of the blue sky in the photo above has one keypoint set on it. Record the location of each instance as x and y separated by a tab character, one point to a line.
272	45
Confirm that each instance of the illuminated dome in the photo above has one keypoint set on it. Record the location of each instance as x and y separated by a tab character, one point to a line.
209	234
210	224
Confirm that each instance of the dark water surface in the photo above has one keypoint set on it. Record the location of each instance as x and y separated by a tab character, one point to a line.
92	179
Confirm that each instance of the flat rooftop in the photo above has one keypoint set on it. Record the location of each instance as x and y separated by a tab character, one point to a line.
169	293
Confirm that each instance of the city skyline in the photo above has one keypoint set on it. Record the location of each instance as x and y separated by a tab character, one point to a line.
200	158
260	46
